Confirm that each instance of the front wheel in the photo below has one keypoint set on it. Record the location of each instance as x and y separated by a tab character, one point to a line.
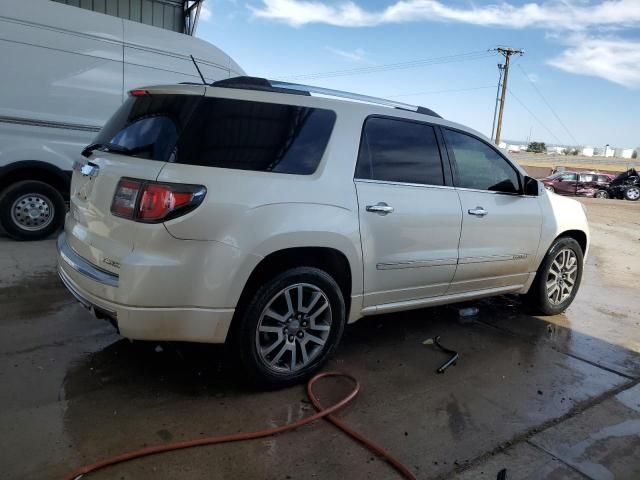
632	193
558	278
290	327
550	188
31	210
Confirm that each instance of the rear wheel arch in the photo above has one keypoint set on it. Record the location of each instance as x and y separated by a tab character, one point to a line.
332	261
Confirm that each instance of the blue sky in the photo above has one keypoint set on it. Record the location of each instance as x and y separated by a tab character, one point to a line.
583	56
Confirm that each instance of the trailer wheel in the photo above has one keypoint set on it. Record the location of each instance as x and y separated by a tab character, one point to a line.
31	210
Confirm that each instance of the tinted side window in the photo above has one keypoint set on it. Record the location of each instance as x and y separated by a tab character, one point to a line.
479	166
248	135
587	178
399	151
149	125
569	177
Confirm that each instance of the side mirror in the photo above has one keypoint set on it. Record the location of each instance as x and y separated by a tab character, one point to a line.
531	186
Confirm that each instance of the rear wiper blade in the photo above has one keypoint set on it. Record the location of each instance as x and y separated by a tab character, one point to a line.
105	147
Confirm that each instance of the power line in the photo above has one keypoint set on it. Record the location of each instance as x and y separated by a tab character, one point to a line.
548	104
433	92
461	57
534	116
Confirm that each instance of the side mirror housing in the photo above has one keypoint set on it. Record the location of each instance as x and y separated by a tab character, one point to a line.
531	186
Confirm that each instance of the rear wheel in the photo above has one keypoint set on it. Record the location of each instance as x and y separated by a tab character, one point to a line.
290	327
632	193
601	194
31	210
558	278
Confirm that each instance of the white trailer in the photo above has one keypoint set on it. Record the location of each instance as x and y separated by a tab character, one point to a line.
65	71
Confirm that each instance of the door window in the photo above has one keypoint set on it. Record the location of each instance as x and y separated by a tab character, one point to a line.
479	166
585	177
569	177
399	151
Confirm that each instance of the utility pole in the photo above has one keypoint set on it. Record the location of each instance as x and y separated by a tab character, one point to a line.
495	109
506	52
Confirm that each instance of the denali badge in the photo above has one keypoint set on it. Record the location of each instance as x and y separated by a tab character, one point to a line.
113	263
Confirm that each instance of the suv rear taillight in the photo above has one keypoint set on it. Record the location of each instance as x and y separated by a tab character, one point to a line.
154	202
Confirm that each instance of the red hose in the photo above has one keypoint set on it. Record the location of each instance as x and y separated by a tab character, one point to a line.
237	437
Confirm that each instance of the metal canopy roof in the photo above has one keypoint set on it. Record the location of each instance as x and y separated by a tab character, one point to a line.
175	15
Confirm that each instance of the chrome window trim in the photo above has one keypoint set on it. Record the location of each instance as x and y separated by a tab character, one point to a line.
82	266
444	187
403	184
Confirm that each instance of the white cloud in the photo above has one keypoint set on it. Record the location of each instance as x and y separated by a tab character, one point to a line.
561	14
356	55
566	21
614	59
205	13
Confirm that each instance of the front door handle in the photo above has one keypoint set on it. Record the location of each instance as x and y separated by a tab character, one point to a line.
478	212
380	208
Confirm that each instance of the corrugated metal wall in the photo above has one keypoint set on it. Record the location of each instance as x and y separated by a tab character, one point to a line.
168	14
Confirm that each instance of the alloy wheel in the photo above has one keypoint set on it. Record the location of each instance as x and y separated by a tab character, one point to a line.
562	276
293	328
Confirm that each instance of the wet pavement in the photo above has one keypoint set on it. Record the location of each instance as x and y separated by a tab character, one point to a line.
553	397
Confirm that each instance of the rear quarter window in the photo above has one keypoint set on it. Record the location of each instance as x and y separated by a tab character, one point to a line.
149	125
248	135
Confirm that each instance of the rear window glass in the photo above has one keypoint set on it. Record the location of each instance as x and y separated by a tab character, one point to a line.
149	125
258	136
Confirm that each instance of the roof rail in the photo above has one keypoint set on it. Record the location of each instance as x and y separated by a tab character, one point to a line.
256	83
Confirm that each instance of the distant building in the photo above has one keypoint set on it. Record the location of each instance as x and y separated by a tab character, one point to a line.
623	152
555	149
513	148
587	151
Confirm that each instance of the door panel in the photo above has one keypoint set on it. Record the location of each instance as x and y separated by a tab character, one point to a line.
499	248
500	226
566	185
411	252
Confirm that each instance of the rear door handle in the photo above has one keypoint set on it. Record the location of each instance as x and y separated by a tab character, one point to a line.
380	208
478	212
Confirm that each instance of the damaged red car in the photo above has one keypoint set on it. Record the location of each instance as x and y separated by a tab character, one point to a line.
581	184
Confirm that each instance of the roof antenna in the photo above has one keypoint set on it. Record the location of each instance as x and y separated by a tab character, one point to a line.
204	82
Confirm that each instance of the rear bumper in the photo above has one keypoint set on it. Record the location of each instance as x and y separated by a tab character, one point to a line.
191	324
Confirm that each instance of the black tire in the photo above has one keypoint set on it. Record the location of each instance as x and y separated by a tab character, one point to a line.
245	339
632	193
601	194
550	188
538	298
54	204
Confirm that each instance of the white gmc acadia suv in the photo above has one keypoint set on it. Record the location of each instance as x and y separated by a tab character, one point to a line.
252	212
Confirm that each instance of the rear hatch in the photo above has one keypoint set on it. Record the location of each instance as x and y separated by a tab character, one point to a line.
135	143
